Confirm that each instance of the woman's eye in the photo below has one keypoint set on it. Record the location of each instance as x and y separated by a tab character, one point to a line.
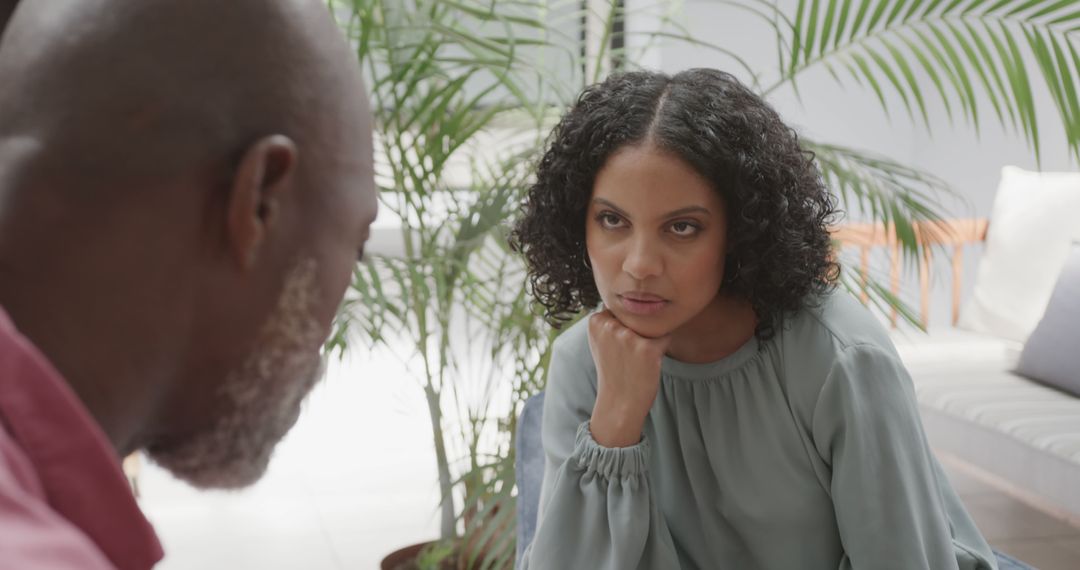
684	229
609	220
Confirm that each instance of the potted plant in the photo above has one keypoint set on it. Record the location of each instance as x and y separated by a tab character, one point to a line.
461	105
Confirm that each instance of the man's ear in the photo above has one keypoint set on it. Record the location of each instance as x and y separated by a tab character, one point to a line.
266	172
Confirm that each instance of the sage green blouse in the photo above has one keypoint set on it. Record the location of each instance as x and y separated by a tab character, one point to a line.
804	452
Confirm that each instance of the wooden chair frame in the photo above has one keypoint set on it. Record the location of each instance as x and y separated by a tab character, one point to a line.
954	233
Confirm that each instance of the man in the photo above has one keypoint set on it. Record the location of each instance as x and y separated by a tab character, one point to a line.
185	187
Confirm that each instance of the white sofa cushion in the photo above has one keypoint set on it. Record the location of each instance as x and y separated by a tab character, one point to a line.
1042	417
974	407
970	375
955	348
1034	219
1036	452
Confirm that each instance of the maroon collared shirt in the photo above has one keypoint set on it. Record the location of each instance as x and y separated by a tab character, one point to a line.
65	504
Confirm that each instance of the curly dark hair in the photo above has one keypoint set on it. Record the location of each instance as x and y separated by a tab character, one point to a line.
778	205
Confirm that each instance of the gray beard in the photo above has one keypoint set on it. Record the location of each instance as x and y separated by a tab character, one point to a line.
262	398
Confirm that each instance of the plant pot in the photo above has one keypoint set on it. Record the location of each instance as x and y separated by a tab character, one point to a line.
453	554
405	558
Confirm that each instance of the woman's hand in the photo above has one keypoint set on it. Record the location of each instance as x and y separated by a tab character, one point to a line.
628	378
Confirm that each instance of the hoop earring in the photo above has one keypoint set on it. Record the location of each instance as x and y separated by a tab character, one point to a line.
585	261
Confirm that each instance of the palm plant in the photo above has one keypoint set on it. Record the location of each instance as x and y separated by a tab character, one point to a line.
966	53
464	92
461	101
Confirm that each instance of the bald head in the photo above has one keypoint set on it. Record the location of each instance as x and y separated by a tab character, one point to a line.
121	91
185	187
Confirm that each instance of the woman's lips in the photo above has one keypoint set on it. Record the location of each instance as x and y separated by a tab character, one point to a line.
642	303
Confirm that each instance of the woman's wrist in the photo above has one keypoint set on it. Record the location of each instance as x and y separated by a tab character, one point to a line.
611	427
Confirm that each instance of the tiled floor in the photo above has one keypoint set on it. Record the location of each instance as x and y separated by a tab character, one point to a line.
355	480
1015	528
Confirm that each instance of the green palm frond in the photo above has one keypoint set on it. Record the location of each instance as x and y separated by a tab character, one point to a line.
972	52
878	189
880	297
491	512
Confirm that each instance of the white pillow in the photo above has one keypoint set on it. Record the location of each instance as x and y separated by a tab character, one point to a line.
1035	218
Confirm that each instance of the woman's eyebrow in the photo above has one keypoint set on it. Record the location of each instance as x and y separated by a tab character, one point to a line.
611	205
680	212
687	210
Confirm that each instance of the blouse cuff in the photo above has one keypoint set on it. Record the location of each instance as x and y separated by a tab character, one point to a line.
610	462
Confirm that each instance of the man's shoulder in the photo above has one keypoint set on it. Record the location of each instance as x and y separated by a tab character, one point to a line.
16	470
32	534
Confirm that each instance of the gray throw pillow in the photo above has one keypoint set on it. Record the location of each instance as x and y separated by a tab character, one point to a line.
1052	353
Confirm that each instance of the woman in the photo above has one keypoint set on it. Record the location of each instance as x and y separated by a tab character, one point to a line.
725	407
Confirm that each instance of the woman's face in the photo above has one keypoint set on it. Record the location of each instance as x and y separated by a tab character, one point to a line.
656	235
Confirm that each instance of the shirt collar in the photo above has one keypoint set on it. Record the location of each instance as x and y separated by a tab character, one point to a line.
74	460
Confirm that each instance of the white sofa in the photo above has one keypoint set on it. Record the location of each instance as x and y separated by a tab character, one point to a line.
1021	433
975	407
